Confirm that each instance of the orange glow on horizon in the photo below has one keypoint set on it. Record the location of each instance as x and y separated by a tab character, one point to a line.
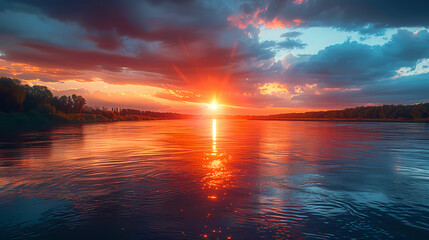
214	131
99	89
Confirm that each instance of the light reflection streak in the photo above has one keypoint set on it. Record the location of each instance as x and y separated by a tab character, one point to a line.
216	180
217	175
214	135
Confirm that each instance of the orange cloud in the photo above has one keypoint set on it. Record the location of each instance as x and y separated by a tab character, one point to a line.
332	89
297	21
273	89
30	72
257	19
299	2
274	24
179	95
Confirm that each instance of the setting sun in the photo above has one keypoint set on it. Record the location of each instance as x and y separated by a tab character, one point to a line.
214	105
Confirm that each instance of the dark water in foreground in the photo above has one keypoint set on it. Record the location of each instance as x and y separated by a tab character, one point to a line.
188	179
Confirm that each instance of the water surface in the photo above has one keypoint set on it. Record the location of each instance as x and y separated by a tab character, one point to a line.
226	179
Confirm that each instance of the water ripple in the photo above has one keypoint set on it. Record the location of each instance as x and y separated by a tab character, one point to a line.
219	179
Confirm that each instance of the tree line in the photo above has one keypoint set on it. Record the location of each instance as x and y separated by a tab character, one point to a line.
124	112
17	97
386	112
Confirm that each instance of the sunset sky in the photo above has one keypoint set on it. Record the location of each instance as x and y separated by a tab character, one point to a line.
251	57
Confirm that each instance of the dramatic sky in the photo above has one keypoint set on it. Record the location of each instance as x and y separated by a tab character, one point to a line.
252	57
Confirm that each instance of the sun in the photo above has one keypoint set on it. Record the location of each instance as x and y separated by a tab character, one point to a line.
214	106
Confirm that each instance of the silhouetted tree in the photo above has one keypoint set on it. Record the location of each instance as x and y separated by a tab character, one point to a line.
78	103
15	97
12	95
399	112
37	95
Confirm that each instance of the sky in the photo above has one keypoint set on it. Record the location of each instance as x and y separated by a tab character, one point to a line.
249	57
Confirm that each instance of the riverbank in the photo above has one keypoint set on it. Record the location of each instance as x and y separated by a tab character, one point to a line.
33	119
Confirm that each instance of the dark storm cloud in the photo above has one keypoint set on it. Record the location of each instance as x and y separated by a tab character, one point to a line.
170	38
292	34
150	20
264	50
289	43
369	16
352	64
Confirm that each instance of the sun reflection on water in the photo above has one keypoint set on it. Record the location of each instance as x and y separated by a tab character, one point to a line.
217	174
214	135
216	181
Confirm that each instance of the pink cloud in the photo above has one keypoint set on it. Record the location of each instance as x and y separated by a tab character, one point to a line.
257	19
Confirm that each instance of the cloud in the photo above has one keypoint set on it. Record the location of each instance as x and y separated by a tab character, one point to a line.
148	20
163	40
292	34
31	26
290	43
351	64
354	74
369	17
181	96
403	90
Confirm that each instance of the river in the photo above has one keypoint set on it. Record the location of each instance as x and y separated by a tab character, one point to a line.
216	179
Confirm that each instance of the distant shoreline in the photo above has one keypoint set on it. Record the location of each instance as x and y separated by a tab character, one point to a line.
338	120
